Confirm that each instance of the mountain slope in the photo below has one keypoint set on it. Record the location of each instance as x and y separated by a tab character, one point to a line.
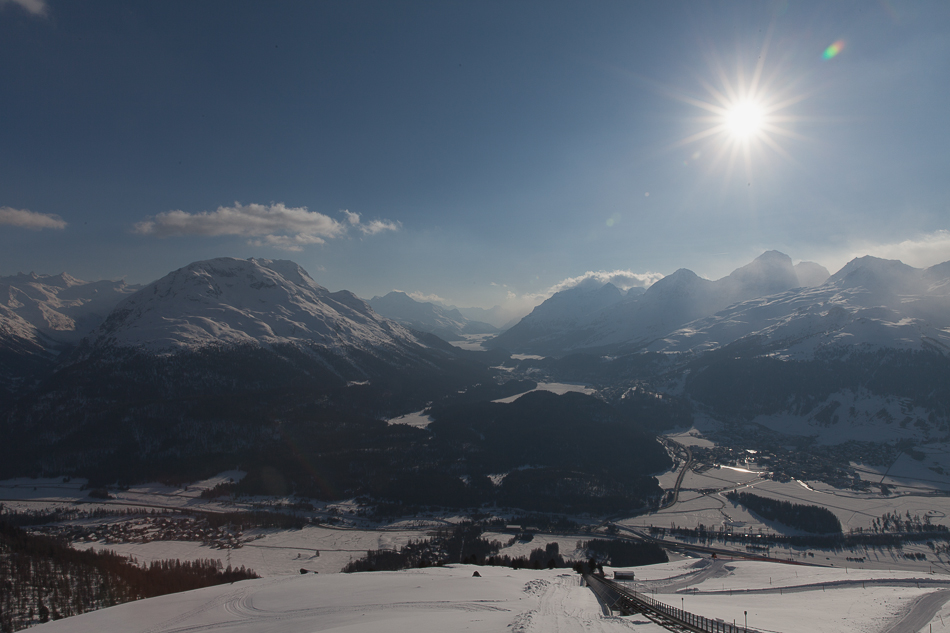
63	308
869	304
229	301
42	315
628	323
448	324
207	363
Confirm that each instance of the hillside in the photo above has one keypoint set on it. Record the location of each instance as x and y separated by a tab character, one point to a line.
771	596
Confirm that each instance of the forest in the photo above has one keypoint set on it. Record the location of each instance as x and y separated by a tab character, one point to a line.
808	518
43	578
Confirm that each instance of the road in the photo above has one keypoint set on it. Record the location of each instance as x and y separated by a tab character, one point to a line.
679	478
921	613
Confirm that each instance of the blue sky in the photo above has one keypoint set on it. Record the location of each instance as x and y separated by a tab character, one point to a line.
482	152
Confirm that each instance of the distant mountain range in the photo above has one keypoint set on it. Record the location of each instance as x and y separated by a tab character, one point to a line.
447	323
594	317
862	357
41	315
867	305
58	307
230	361
250	363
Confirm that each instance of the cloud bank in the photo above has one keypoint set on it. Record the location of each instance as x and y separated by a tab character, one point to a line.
275	225
35	7
623	279
26	219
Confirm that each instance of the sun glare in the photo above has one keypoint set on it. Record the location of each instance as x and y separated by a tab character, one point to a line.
744	119
747	114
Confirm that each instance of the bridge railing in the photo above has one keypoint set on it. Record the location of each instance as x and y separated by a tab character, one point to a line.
627	600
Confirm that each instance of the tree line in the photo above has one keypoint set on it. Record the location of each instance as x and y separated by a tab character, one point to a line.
43	578
808	518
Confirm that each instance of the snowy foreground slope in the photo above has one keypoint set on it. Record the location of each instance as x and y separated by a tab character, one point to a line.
776	597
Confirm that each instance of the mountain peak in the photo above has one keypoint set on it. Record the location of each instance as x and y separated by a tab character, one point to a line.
811	274
769	273
876	274
228	301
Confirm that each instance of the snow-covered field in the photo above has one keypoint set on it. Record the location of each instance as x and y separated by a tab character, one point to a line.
560	388
843	595
775	597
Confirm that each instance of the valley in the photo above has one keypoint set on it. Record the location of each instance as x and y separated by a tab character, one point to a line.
237	412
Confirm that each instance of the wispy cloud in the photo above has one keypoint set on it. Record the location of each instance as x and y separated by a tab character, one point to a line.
426	298
32	220
373	226
38	8
275	225
378	226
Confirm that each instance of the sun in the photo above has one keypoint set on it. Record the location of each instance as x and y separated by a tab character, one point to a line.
744	119
747	112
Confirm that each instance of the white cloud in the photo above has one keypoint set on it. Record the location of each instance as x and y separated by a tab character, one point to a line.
520	305
378	226
26	219
36	7
623	279
275	225
373	227
424	298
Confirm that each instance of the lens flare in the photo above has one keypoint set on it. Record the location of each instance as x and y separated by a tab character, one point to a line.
833	50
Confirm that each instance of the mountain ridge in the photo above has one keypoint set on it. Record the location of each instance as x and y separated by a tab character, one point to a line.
635	320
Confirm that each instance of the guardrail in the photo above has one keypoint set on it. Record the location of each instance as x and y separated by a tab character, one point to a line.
628	601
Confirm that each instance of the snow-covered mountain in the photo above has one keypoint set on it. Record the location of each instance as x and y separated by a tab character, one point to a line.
210	361
565	316
869	304
60	307
600	318
447	323
41	315
232	302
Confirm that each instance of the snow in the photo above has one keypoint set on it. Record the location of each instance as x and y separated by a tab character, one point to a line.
560	388
775	597
417	419
869	303
58	306
875	594
435	599
228	301
472	342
